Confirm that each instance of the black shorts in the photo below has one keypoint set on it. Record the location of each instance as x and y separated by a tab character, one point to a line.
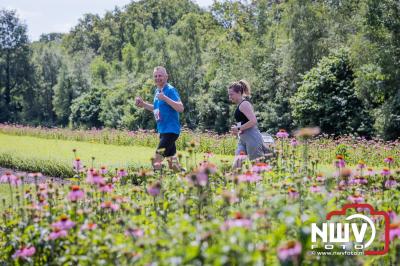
167	144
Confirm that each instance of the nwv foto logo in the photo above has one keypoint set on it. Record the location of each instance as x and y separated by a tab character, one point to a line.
334	233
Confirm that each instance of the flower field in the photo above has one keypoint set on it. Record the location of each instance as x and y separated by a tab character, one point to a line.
209	214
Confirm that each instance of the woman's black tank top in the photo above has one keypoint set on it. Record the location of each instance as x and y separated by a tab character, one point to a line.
239	116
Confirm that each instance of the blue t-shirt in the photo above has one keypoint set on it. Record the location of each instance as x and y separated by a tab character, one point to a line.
166	117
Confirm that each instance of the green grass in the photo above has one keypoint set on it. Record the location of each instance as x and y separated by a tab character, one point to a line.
25	147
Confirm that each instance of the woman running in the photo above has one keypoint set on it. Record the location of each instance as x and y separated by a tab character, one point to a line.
250	139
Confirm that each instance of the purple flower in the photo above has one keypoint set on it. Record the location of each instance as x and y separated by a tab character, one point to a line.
77	164
249	177
109	205
134	232
358	180
282	134
315	189
238	221
392	215
88	227
122	172
154	189
394	230
11	179
389	160
293	193
294	142
103	170
76	194
24	252
390	182
64	223
260	167
107	188
356	198
385	171
57	233
289	251
361	165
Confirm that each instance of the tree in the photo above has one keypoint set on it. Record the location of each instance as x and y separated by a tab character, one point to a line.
327	98
85	109
15	68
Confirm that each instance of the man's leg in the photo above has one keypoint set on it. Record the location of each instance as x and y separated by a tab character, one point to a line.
170	152
157	160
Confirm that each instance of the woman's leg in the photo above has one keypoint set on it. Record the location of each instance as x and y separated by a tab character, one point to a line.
240	156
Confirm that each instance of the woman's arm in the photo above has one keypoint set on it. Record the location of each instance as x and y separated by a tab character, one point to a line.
247	109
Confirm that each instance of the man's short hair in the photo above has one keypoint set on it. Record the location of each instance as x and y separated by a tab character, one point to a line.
160	68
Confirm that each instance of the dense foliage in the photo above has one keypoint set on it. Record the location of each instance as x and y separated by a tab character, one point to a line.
286	49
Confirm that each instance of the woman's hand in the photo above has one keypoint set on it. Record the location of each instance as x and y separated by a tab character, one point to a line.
234	130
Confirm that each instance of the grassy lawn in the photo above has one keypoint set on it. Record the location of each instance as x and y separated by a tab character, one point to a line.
61	150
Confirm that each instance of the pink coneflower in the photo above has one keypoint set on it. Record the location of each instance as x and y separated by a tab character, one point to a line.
320	177
282	134
77	164
93	177
134	232
88	227
230	196
109	205
122	172
154	189
238	221
106	188
242	155
361	165
340	163
293	193
394	230
208	168
358	180
103	170
385	171
389	160
370	172
115	179
356	198
8	177
90	172
24	252
390	182
35	175
289	251
208	155
76	194
392	214
57	233
201	179
249	176
64	223
315	188
16	181
294	142
260	167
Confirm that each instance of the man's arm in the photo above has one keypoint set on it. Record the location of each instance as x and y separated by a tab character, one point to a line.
148	106
177	105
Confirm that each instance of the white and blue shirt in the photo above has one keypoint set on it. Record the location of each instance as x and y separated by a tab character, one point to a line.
166	117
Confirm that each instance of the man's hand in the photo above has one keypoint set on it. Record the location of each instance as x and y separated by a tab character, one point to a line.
162	97
139	101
